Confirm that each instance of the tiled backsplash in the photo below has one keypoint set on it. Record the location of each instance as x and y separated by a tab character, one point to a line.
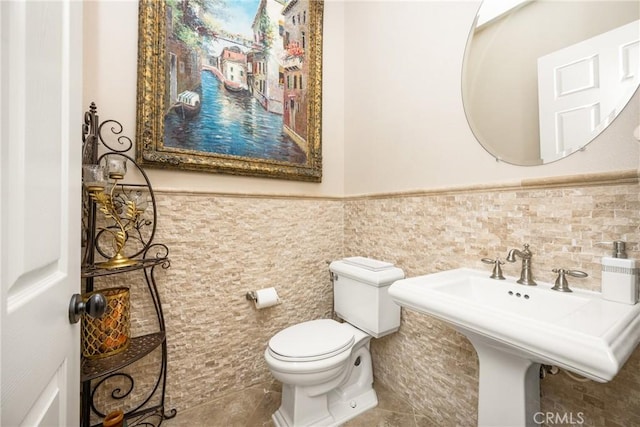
435	367
222	246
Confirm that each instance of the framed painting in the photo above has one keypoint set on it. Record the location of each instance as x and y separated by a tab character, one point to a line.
231	86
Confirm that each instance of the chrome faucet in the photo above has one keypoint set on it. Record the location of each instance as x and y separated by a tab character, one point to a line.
526	277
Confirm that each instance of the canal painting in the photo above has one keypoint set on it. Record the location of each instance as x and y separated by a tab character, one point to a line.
241	88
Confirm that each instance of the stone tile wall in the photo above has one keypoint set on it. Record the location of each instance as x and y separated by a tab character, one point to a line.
435	367
222	246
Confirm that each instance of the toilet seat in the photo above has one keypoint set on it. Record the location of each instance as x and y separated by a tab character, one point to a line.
310	341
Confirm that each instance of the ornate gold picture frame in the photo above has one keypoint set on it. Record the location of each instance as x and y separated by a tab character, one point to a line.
231	87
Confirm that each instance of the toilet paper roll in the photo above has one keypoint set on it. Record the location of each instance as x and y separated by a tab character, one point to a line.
266	297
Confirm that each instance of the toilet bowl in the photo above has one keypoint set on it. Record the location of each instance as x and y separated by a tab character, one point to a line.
326	373
324	365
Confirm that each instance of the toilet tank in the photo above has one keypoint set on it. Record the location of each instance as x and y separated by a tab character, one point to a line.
361	297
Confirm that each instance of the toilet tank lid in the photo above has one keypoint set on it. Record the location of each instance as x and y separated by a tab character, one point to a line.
368	263
368	270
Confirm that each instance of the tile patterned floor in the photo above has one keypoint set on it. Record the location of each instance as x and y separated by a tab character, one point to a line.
253	408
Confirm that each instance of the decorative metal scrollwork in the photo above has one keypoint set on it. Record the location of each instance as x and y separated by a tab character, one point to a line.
116	393
119	225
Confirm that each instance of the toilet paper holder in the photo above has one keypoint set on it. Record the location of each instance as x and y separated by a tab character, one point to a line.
263	298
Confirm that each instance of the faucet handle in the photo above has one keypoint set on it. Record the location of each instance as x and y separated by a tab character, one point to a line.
497	270
561	284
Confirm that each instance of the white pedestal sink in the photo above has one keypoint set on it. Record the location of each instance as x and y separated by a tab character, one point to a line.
515	328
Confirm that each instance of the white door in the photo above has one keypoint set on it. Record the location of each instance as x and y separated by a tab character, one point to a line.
581	88
40	146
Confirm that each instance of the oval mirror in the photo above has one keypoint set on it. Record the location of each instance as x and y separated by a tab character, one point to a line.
541	79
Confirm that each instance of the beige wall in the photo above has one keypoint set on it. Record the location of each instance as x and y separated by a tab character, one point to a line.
392	116
383	131
407	130
110	61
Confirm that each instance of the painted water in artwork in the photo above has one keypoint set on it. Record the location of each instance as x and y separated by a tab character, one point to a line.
237	78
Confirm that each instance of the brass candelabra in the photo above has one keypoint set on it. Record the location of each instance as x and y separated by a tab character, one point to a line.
122	216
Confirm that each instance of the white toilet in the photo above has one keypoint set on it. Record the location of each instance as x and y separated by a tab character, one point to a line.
324	365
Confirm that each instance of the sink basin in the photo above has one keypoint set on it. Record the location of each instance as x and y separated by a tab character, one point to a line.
506	297
515	328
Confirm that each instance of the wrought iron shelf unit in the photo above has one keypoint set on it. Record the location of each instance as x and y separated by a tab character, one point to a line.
95	271
105	237
140	347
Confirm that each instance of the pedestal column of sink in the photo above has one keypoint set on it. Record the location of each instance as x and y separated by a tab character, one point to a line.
509	385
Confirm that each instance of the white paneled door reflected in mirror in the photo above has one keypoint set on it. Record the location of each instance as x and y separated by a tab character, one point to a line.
542	79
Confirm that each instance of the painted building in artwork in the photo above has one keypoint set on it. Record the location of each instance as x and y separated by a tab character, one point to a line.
267	69
233	65
295	42
257	76
183	64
